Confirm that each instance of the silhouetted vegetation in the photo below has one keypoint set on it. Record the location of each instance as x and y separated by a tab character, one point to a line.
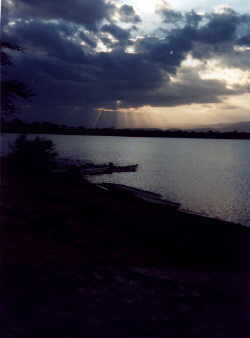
18	126
11	89
36	156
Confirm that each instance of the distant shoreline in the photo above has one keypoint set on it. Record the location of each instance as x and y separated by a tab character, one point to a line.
20	127
136	133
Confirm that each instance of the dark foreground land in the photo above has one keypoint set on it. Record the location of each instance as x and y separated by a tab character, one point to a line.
80	262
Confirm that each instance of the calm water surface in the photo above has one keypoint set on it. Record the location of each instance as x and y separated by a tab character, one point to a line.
211	177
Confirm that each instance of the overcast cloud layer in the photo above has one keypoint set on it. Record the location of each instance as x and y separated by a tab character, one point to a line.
83	56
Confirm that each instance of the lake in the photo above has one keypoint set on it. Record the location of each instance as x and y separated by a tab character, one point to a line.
211	177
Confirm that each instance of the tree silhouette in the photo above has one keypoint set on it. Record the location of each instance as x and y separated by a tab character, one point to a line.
11	89
32	156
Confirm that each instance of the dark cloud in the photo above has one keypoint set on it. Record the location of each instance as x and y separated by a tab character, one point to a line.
244	40
42	38
170	51
89	13
213	35
91	41
209	29
220	28
128	15
189	89
117	32
192	18
170	16
177	18
69	71
192	89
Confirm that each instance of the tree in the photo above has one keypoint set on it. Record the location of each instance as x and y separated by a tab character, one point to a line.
32	156
11	89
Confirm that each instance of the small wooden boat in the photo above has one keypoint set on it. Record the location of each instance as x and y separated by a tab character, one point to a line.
124	168
95	170
108	169
65	165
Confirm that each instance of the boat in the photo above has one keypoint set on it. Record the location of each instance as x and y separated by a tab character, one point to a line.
65	165
108	169
143	195
124	168
95	170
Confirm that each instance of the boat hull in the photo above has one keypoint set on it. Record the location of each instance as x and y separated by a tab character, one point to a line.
108	169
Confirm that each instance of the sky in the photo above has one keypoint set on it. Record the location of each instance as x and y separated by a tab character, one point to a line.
131	63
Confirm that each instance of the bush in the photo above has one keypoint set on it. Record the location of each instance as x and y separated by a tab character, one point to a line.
33	156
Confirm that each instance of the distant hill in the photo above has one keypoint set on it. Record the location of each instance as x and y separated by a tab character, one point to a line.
243	127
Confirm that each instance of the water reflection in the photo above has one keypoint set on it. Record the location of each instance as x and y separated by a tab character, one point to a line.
207	176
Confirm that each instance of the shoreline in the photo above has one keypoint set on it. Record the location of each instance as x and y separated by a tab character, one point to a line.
193	136
97	226
116	267
179	209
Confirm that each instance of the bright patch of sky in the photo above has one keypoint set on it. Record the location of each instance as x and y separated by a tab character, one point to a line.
150	19
148	7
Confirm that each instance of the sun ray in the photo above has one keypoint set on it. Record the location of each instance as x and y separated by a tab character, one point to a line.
98	118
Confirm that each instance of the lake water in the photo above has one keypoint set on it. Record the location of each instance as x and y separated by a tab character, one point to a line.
211	177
